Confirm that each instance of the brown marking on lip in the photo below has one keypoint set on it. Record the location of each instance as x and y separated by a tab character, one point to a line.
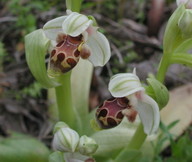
103	113
60	44
76	53
111	122
119	115
123	102
61	57
53	53
71	62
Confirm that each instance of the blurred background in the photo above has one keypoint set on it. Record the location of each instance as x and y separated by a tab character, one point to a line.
135	30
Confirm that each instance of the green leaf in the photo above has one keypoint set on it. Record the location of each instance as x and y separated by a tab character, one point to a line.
173	36
56	157
184	46
36	45
182	58
129	155
158	92
114	139
80	84
20	148
172	124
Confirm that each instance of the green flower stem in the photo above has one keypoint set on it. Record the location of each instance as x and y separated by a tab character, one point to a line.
64	100
183	58
138	138
74	5
163	67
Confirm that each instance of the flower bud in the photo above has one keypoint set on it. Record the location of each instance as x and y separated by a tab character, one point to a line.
59	125
185	23
65	139
158	92
87	145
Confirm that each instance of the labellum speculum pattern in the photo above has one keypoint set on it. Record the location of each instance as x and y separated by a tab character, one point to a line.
65	54
111	112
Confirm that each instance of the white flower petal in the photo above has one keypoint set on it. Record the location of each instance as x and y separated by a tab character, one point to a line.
75	24
148	111
122	85
100	49
53	27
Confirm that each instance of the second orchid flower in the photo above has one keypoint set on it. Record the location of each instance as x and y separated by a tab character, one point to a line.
129	100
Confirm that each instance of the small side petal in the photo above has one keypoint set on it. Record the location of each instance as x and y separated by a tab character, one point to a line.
100	49
148	111
53	27
122	85
75	24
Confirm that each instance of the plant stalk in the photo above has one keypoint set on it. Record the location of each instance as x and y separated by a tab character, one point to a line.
138	138
74	5
64	100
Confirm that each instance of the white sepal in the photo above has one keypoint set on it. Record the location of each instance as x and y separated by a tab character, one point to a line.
87	145
122	85
100	49
53	27
148	111
75	24
65	139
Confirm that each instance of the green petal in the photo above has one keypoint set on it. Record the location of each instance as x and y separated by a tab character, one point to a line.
36	45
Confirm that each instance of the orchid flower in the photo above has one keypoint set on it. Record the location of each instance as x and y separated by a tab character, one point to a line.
74	36
129	100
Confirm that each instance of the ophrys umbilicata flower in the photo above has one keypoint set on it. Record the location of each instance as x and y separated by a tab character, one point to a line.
129	100
73	37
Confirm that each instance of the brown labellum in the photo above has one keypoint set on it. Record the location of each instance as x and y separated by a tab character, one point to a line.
109	114
65	55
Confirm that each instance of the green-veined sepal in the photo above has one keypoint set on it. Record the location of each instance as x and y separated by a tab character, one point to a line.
36	45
